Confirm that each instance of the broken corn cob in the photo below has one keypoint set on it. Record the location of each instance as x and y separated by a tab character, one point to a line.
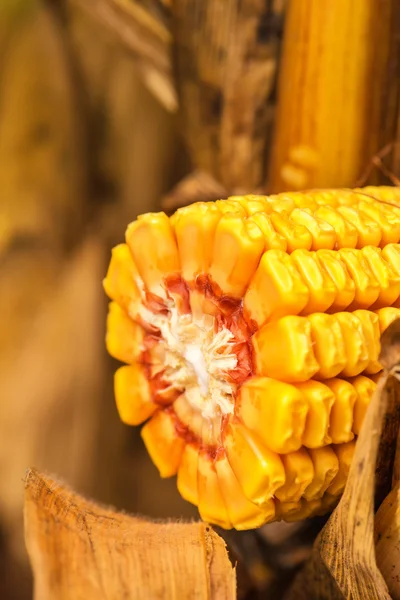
250	330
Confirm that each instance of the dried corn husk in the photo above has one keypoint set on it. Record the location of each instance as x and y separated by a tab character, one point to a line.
387	541
79	550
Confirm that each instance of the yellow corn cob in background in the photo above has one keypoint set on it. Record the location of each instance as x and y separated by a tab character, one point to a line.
319	62
250	328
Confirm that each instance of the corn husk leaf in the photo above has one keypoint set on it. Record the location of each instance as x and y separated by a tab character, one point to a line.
79	550
387	536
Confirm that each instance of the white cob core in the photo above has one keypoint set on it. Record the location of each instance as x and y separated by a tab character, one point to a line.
195	358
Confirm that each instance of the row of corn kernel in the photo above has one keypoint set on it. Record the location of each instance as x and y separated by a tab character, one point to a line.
306	282
295	349
248	485
311	414
356	218
227	245
379	204
203	230
230	246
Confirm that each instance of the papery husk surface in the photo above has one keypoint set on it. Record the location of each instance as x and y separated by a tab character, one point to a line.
81	551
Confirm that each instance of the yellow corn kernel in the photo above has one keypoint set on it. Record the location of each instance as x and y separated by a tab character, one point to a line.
386	316
242	513
324	197
366	285
276	289
370	326
231	206
272	239
296	236
389	281
132	395
283	349
364	387
194	227
120	281
337	271
211	506
260	471
299	471
391	254
346	233
388	222
251	204
327	344
326	467
280	203
285	510
389	208
275	411
322	291
188	415
124	337
152	243
187	474
297	511
163	443
320	399
238	245
345	453
356	349
322	233
369	233
341	418
384	193
305	510
301	200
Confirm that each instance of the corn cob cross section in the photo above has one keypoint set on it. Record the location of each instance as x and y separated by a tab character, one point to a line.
250	330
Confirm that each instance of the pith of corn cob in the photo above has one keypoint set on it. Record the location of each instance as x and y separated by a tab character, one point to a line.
250	328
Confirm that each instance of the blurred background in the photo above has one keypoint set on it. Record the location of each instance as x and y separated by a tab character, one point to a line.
112	108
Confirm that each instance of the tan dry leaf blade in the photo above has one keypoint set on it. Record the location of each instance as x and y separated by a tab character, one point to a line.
196	187
343	564
387	541
81	551
146	36
226	58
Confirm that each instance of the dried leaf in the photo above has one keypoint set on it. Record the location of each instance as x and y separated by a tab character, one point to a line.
196	187
146	36
387	534
226	59
80	551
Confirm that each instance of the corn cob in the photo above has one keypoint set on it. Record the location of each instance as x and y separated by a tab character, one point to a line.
320	61
250	330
